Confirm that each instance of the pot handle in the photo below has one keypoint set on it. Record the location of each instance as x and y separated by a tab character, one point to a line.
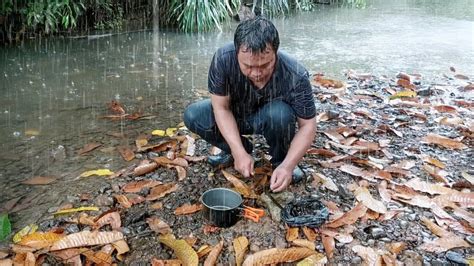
253	214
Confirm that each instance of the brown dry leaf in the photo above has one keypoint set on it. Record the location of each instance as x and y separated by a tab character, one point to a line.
349	217
123	201
443	141
240	244
214	254
144	167
137	186
40	180
438	174
209	229
187	209
122	247
182	250
445	109
463	199
97	257
430	188
161	191
39	240
435	229
355	171
444	244
135	199
203	251
322	117
368	254
327	182
188	146
333	135
6	262
240	186
434	162
363	195
384	193
112	218
332	207
304	243
450	121
191	240
344	238
158	225
277	255
157	262
322	152
87	238
397	247
329	244
89	147
314	260
165	161
126	153
310	233
292	233
181	172
195	158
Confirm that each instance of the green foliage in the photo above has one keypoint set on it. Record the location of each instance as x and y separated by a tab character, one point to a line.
272	8
304	5
354	3
6	7
53	14
199	15
5	226
107	14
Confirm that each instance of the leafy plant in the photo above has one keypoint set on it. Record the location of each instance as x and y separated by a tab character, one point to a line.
5	226
6	7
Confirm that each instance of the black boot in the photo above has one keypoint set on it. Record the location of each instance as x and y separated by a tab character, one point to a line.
221	160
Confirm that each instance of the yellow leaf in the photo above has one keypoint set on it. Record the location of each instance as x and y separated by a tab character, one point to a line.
87	238
170	131
99	172
40	240
158	132
403	94
122	247
214	254
240	246
80	209
182	249
316	259
32	132
27	230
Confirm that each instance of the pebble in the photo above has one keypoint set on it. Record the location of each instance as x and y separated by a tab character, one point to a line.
403	224
371	242
104	200
375	231
72	228
412	216
456	257
470	239
356	260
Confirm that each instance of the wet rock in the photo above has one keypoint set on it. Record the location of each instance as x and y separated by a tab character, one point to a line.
412	217
53	209
71	198
104	201
470	239
255	246
412	258
103	188
72	228
403	224
456	258
375	232
356	260
280	242
371	242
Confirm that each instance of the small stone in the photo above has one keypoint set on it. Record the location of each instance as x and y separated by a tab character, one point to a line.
52	209
356	260
403	224
412	216
375	232
103	201
470	239
371	242
456	257
72	228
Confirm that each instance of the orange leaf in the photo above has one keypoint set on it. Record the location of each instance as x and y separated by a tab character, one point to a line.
123	201
87	238
158	225
443	141
240	244
434	162
135	199
439	175
310	233
116	107
39	240
304	243
165	161
445	109
363	195
188	209
240	186
40	180
322	152
161	191
277	255
349	217
209	229
126	153
292	233
368	254
183	250
137	186
157	262
203	251
430	188
181	172
122	247
112	218
329	244
144	167
89	147
214	254
397	247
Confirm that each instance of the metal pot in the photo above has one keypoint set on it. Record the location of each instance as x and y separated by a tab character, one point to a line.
223	207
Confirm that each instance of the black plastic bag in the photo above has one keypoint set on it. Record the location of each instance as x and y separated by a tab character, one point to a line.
308	212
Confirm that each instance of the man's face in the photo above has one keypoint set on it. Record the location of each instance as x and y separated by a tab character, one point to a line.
258	67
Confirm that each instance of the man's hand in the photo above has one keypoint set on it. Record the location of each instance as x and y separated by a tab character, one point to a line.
281	178
243	163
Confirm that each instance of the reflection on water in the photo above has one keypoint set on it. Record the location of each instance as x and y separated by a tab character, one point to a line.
54	92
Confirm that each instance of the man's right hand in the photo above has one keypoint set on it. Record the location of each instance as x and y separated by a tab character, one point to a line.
243	163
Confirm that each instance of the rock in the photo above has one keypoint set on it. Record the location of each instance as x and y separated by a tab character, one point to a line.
282	198
403	224
280	242
456	258
470	239
371	242
72	228
104	201
412	258
375	232
356	260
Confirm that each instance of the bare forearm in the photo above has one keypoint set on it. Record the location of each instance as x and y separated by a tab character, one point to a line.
299	145
228	127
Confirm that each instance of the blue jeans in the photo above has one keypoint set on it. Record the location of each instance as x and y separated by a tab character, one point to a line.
276	121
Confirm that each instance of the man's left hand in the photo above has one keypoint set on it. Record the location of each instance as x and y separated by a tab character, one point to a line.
281	179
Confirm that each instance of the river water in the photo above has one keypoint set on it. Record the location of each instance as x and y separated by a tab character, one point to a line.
53	93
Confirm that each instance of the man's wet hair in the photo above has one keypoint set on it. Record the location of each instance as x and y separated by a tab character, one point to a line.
255	34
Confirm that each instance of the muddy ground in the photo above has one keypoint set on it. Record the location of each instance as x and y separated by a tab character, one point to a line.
362	105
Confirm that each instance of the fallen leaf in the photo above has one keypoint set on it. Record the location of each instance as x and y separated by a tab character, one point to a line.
277	255
304	243
310	233
137	186
333	135
87	238
427	187
329	245
39	240
40	180
203	251
368	254
72	210
355	171
161	191
126	153
165	161
181	172
214	254
89	147
158	225
349	217
144	167
443	141
182	250
116	107
438	174
112	218
461	76
322	152
157	262
292	233
434	162
27	230
327	182
403	94
239	185
209	229
123	201
135	199
188	209
463	199
188	146
240	244
159	133
98	172
444	244
468	177
363	195
445	109
397	247
314	260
